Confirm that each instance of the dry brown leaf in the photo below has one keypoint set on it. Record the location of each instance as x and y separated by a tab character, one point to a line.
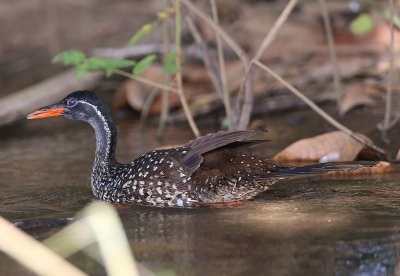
368	154
134	94
329	147
380	168
358	94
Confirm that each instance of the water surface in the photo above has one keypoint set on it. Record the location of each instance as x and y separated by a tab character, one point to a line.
301	227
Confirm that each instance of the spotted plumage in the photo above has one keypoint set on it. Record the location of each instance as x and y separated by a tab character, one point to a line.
209	169
161	178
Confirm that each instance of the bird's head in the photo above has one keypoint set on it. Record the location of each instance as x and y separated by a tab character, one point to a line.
79	105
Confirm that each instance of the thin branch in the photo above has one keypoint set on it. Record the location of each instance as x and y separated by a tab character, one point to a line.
145	81
332	52
317	109
235	47
221	63
275	28
167	78
179	73
270	37
388	110
147	106
248	101
208	62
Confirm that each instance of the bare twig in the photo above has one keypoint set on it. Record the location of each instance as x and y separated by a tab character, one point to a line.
131	51
146	81
221	63
17	105
270	37
167	78
275	28
388	110
332	52
235	47
247	106
208	62
147	106
317	109
179	73
141	50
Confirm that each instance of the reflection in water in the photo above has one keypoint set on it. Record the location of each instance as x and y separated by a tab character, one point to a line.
301	227
368	257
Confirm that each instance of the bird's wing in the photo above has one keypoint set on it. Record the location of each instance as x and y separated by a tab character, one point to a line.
204	144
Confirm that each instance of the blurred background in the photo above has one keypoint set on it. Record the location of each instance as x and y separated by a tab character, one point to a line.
33	32
308	227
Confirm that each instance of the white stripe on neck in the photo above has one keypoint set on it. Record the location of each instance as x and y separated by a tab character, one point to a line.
108	131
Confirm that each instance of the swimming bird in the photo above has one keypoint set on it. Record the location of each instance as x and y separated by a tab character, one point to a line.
210	169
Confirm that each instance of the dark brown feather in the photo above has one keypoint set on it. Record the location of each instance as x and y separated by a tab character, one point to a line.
212	141
215	140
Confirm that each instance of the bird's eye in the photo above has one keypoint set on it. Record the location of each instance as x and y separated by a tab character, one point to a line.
71	102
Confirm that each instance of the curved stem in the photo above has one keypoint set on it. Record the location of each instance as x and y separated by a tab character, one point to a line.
317	109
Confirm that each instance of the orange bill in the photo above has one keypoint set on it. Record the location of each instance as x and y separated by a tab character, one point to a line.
44	113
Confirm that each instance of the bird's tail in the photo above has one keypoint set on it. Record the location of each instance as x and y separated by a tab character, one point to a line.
331	169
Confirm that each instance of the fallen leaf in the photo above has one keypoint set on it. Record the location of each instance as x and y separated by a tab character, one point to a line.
357	95
379	168
329	147
133	93
368	154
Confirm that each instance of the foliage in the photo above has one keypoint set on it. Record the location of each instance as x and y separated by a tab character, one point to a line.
84	64
170	65
143	64
362	25
147	28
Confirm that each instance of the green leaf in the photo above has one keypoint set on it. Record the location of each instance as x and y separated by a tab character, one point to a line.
81	70
109	72
119	63
69	58
95	63
109	65
146	29
143	64
225	123
170	65
112	64
362	25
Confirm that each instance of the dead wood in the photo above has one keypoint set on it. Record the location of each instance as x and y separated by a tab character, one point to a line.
17	105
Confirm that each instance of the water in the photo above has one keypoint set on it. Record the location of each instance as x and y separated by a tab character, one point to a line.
300	227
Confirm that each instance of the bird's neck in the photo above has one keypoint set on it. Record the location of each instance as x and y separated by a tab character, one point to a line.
106	139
